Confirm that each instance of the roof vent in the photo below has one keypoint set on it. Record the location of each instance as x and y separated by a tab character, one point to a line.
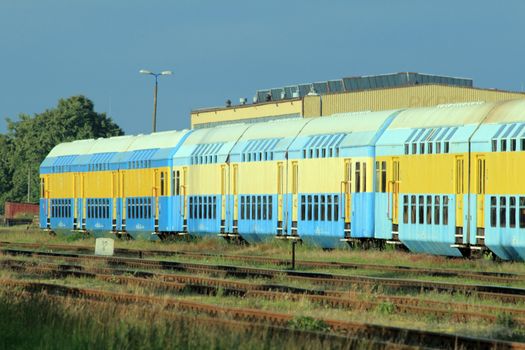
243	100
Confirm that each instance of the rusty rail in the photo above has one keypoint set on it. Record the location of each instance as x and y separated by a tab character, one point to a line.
459	312
498	277
356	329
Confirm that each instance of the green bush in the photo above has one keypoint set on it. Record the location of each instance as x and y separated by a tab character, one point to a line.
306	323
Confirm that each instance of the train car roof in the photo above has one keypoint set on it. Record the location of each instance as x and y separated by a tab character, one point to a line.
442	115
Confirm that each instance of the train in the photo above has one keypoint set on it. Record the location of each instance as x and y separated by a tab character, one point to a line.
443	180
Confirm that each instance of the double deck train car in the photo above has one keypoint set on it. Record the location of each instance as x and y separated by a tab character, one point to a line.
440	180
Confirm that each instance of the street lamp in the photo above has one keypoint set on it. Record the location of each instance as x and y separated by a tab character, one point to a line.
156	75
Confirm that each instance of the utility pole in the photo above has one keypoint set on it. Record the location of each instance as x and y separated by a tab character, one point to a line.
28	183
156	75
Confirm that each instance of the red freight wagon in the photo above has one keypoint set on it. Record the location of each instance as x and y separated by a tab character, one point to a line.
20	212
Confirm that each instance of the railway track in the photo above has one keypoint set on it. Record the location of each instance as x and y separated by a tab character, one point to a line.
496	277
411	337
459	312
505	294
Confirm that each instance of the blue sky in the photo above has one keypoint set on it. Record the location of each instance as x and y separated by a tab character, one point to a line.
229	49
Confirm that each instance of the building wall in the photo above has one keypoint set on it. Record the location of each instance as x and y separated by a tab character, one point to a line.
259	110
408	97
368	100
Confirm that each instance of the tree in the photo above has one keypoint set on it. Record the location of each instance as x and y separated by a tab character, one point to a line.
30	139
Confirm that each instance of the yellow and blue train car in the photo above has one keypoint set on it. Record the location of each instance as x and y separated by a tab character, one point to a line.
497	203
331	179
258	165
428	202
203	161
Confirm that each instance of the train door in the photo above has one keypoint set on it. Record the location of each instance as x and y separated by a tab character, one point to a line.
280	190
459	191
156	187
295	195
346	187
223	197
235	193
183	199
395	191
114	194
77	201
44	203
480	198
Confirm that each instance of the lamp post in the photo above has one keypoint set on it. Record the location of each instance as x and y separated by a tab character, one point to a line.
156	75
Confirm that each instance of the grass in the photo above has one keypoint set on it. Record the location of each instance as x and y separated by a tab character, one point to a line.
40	322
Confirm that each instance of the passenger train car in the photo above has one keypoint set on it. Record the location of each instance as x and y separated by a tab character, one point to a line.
441	180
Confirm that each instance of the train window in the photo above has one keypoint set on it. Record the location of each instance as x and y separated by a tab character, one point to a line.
316	208
445	210
503	145
438	147
195	208
259	208
522	212
405	209
502	211
303	207
310	208
210	208
248	208
162	183
254	208
331	152
512	212
270	208
265	208
317	153
436	210
522	141
149	208
329	208
421	209
413	209
206	211
383	177
414	148
323	208
190	205
494	145
358	177
446	147
407	148
429	210
513	145
422	148
242	208
336	207
364	177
